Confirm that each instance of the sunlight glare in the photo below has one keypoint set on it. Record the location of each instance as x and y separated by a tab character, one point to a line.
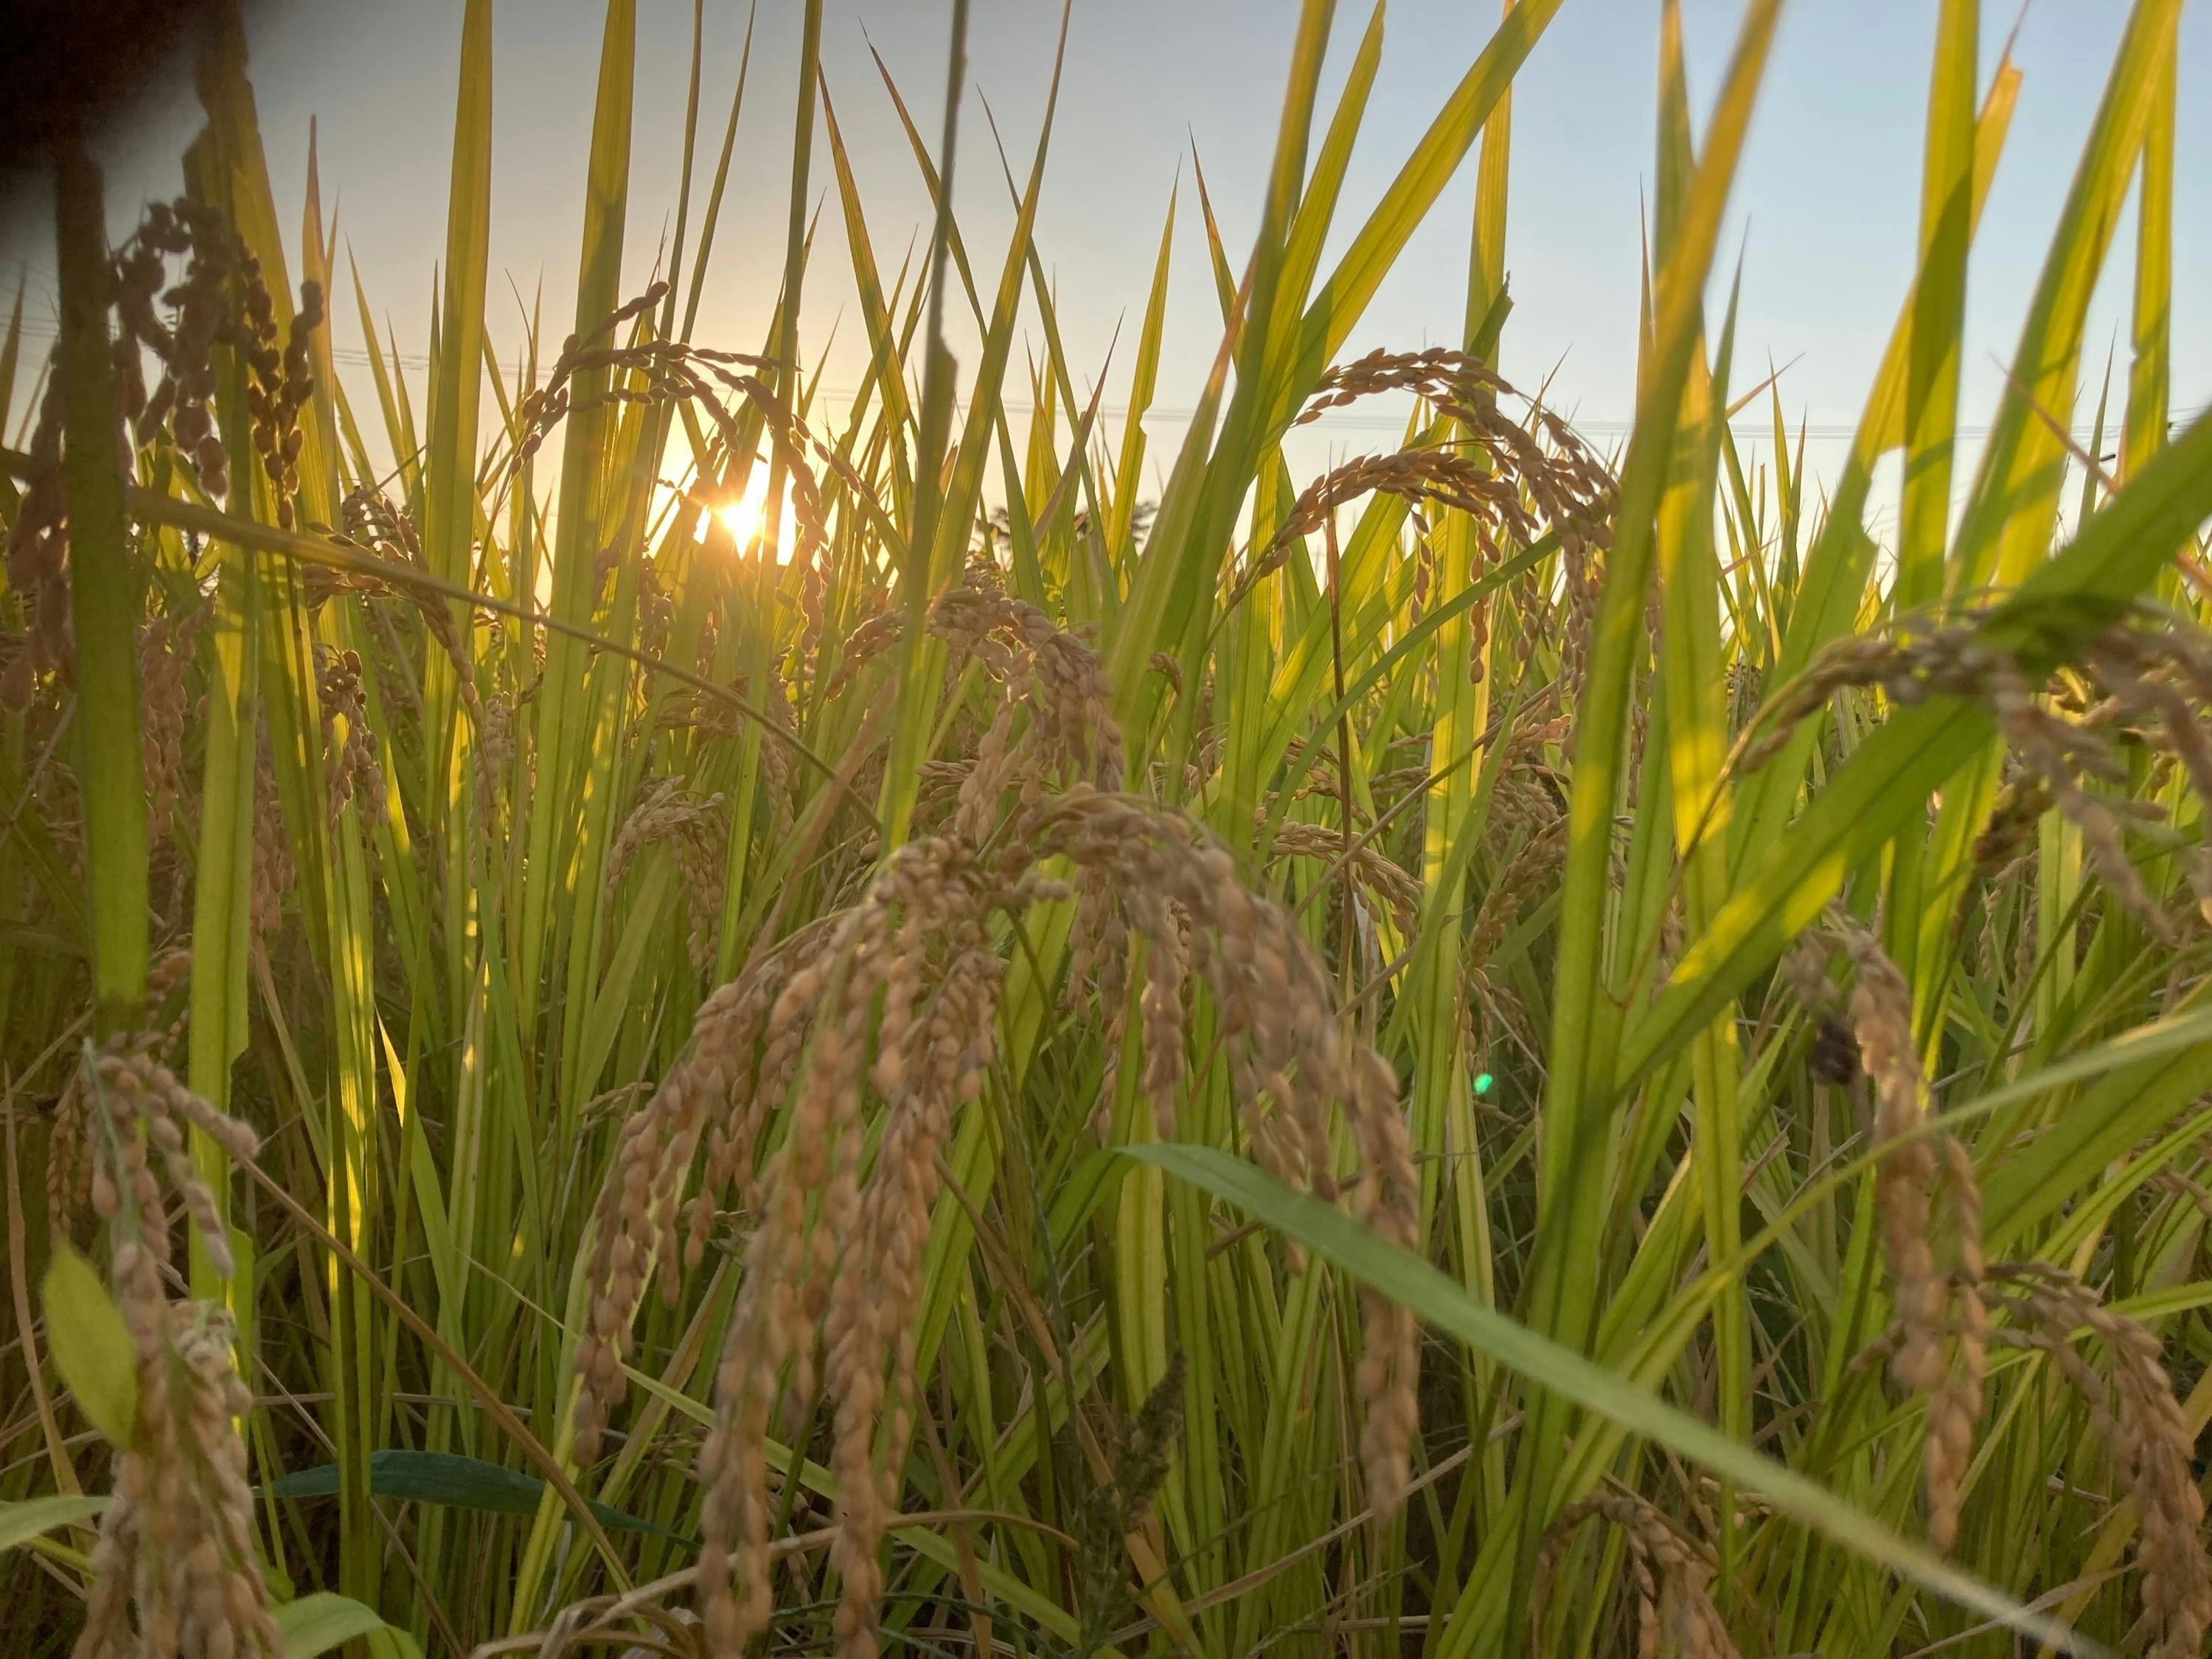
742	518
746	521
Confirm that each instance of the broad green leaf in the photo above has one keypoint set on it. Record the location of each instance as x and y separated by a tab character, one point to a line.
1316	206
1578	1096
90	1344
447	1478
562	719
2006	526
1129	471
1828	596
318	1623
1931	394
1336	309
2150	371
450	487
1409	1280
942	529
2060	605
105	604
34	1517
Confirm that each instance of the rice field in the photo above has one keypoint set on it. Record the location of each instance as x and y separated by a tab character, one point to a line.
915	1044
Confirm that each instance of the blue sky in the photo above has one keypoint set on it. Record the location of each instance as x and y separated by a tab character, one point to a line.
1825	209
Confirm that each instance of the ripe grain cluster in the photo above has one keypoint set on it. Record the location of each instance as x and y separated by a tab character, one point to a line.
640	1015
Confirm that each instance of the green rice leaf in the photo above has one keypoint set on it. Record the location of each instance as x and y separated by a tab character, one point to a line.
34	1517
318	1623
91	1346
1407	1279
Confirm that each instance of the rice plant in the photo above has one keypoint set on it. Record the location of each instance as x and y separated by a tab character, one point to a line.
1502	1048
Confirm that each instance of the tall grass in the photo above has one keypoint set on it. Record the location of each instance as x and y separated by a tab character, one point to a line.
1497	1050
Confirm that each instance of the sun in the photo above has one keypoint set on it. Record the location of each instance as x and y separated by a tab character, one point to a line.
742	518
746	519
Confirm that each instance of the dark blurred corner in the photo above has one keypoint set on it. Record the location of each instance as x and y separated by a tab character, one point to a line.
82	64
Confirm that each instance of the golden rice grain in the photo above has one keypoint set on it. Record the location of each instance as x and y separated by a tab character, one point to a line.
1675	1613
174	1571
2148	1439
1930	1353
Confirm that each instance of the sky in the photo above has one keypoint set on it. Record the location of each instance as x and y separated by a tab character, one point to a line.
1825	211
